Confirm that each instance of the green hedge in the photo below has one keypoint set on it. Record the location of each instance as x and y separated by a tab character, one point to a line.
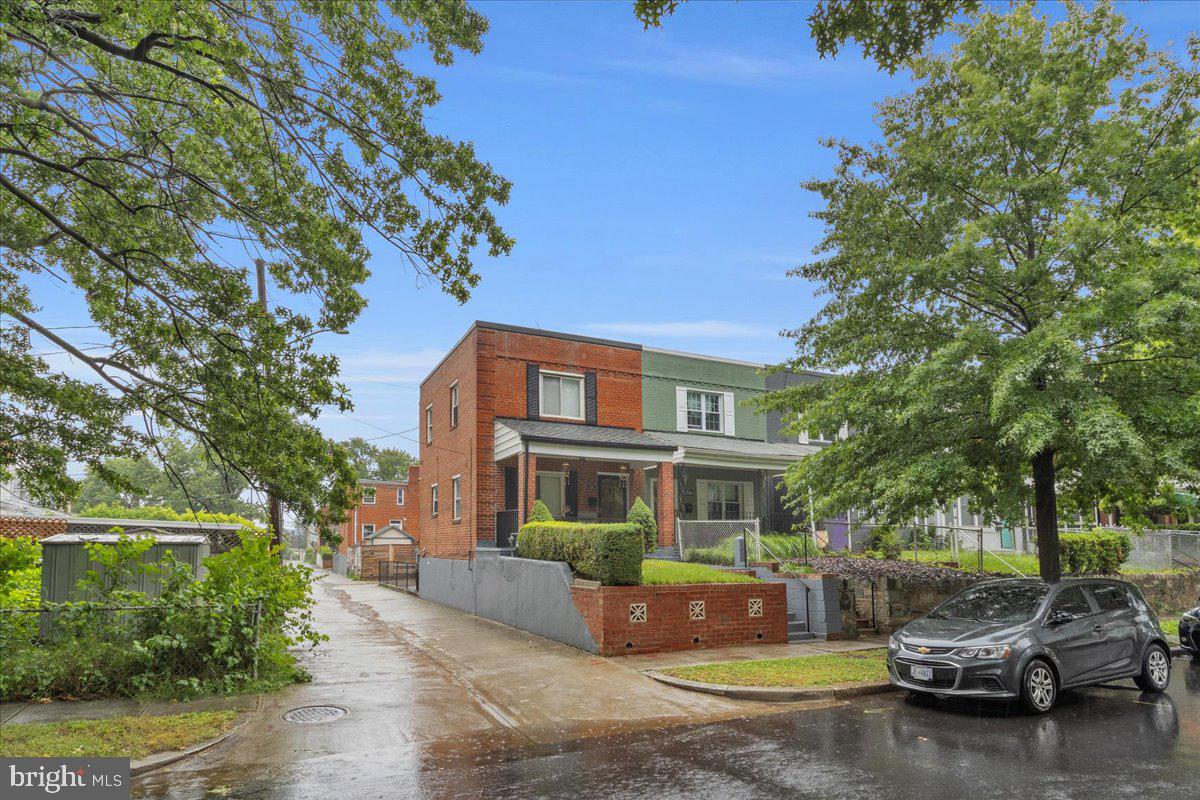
643	517
1097	552
610	553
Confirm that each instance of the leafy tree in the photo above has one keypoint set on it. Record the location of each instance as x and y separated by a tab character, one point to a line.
1012	311
187	480
148	151
890	31
377	463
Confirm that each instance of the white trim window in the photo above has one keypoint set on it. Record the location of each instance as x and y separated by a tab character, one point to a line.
454	405
367	529
400	496
724	499
399	523
433	500
704	411
561	395
429	424
368	496
456	495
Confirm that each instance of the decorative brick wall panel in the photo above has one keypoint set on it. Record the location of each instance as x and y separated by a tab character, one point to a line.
669	614
36	527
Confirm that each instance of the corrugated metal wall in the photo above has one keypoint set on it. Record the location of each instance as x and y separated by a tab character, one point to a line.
65	563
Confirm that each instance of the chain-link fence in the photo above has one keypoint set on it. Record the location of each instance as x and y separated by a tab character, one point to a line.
82	650
710	541
1159	549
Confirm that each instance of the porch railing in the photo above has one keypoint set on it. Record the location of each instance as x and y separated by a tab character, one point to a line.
403	575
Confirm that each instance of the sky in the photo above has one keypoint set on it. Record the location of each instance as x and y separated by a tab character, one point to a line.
656	185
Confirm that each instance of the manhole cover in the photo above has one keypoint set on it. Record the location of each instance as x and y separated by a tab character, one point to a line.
310	715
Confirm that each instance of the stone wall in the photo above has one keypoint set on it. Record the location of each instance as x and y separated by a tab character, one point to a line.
1170	591
893	602
648	619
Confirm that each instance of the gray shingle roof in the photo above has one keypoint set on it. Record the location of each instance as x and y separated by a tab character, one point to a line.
565	432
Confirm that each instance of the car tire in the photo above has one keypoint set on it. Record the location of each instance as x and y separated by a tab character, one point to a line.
1039	687
1156	670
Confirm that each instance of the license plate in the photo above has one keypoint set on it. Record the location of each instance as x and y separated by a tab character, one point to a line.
923	673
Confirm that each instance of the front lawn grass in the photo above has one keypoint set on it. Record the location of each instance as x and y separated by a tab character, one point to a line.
126	737
657	572
831	669
1170	626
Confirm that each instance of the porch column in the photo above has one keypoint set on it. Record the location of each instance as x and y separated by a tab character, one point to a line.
526	486
664	504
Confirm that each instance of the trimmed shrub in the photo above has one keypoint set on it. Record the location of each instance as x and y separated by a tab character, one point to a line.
540	513
609	553
643	517
1097	552
884	542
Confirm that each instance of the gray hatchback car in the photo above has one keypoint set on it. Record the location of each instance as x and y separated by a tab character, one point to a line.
1029	640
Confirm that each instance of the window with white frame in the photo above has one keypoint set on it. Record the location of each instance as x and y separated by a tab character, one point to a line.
368	495
429	424
704	411
725	499
399	523
561	395
400	496
367	530
454	405
456	494
433	500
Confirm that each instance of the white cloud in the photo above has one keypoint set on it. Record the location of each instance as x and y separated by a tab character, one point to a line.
383	366
708	329
725	67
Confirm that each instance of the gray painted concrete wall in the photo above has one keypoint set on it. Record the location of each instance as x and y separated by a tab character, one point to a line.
533	596
823	601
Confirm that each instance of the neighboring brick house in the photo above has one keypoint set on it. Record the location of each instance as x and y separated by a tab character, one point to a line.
512	414
382	504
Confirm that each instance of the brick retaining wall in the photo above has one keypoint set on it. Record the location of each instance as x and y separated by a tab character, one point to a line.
668	620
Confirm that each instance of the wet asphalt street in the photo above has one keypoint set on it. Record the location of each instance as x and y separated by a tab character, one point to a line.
1099	743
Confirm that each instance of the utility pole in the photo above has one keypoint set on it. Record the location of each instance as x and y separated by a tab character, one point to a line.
274	507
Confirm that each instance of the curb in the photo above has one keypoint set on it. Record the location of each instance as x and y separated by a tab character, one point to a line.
157	761
769	694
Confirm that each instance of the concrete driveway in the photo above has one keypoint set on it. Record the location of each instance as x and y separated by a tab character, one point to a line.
422	682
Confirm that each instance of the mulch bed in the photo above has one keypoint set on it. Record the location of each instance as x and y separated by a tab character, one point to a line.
876	568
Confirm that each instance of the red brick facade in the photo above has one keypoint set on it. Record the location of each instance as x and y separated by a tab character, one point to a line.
386	508
488	369
668	619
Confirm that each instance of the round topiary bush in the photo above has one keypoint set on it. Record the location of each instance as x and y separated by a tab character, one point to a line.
643	517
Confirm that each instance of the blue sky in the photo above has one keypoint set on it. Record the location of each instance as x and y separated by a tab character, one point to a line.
656	191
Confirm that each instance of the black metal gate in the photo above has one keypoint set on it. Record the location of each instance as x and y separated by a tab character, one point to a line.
403	575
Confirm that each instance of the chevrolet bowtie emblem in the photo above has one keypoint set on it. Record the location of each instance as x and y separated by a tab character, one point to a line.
922	649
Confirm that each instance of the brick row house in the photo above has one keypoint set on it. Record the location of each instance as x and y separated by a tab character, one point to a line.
515	414
385	524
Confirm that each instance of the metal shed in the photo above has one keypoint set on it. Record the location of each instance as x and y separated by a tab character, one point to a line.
65	561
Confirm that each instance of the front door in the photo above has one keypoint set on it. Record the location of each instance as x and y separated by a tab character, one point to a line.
612	497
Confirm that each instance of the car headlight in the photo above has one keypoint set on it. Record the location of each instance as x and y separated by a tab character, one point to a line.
893	644
987	651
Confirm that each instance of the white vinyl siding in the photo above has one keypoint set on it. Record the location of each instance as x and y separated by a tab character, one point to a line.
456	494
724	499
561	395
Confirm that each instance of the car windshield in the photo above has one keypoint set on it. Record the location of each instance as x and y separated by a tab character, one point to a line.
997	602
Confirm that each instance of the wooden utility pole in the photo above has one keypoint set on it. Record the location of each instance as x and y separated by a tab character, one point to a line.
274	507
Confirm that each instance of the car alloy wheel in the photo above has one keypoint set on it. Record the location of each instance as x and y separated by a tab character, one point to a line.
1158	668
1039	687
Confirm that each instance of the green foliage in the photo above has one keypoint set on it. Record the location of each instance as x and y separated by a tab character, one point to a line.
228	632
883	542
371	462
149	151
1097	552
609	553
658	572
641	515
20	586
1007	281
166	513
890	31
540	512
189	480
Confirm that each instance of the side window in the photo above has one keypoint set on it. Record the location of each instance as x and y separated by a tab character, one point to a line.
368	496
1073	601
1110	597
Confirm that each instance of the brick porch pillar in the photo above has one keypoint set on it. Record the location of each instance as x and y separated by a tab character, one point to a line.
664	504
526	486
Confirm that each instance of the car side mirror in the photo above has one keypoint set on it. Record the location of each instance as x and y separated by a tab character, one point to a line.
1060	617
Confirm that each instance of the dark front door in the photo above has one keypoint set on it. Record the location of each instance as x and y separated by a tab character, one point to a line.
510	487
612	497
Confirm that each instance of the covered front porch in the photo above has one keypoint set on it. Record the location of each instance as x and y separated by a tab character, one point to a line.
581	472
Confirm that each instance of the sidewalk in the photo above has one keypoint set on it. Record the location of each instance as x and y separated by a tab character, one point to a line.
67	710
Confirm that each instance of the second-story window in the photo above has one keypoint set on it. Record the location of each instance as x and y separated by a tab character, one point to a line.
400	496
369	495
368	529
704	411
429	424
562	395
454	405
456	485
433	500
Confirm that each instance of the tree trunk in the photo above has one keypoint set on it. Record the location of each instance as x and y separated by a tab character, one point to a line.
1045	505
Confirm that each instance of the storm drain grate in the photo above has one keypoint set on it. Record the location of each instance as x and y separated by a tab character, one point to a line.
311	715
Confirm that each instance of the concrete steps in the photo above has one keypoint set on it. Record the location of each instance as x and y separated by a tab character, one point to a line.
798	629
665	554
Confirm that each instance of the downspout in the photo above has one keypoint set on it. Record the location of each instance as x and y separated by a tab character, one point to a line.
524	502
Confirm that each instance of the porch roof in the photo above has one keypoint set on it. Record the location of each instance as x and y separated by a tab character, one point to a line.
577	441
724	451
